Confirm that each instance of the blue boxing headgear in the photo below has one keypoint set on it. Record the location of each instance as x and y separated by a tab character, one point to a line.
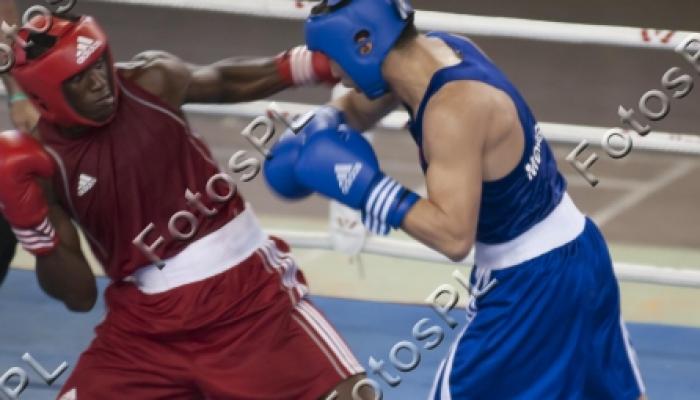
343	34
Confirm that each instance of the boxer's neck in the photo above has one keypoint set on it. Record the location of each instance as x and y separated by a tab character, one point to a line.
409	68
74	132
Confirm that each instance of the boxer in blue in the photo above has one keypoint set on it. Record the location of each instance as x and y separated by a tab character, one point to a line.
544	319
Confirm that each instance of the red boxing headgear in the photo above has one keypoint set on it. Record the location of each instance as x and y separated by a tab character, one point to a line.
79	44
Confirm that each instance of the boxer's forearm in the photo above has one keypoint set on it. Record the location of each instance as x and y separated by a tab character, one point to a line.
235	80
251	79
437	230
66	276
361	113
231	80
65	273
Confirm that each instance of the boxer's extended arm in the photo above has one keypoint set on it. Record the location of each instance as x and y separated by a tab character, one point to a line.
456	127
362	113
241	79
64	273
234	80
231	80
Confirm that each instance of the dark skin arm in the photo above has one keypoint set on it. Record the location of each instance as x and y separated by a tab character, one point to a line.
65	274
231	80
234	80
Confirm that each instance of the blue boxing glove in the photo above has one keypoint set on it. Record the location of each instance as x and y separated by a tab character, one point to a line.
341	164
279	168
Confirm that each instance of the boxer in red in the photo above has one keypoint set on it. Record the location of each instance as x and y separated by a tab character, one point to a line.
227	315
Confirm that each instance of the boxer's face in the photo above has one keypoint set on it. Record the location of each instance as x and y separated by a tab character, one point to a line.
90	92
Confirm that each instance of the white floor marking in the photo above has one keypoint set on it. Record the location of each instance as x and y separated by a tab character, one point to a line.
642	191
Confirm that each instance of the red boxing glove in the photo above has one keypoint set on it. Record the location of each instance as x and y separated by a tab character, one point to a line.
300	66
22	201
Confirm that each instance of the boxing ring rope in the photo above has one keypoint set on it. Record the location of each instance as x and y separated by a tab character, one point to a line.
403	249
676	143
500	27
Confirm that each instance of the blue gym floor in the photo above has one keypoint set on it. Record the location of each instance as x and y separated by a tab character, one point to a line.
30	322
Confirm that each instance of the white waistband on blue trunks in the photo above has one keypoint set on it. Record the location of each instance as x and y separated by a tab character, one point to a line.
561	226
208	256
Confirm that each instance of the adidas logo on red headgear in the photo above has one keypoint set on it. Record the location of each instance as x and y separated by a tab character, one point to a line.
85	47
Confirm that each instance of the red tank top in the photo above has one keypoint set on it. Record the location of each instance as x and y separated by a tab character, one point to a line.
117	179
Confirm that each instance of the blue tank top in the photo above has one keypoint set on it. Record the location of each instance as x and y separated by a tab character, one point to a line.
524	197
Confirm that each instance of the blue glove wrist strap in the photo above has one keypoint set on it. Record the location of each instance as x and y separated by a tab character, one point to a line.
404	203
387	205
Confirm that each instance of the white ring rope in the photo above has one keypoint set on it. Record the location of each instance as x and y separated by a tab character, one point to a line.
678	143
415	251
457	23
557	133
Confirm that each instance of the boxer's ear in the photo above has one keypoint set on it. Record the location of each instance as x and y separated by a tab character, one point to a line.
8	243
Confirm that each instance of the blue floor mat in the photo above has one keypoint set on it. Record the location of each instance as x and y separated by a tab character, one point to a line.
31	322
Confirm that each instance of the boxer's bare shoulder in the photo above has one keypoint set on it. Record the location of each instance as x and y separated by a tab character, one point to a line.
491	119
469	102
159	73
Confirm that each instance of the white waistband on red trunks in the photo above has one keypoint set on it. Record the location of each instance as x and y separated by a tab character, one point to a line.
208	256
561	226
